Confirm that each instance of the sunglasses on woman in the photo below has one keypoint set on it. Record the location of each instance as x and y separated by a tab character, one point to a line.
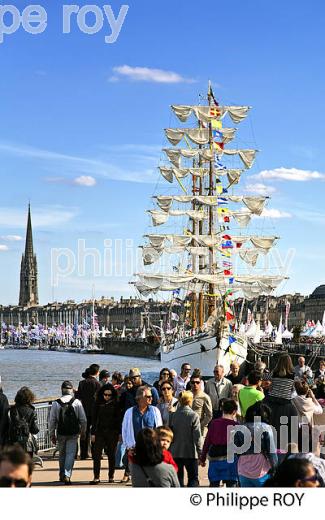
107	394
166	388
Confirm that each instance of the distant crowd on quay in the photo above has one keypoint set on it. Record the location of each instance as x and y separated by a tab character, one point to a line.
161	433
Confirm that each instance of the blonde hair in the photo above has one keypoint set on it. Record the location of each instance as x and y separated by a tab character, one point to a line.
185	398
165	431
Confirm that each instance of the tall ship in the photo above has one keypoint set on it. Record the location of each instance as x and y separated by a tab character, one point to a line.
204	254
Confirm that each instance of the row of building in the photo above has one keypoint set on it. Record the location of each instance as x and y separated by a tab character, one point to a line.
133	313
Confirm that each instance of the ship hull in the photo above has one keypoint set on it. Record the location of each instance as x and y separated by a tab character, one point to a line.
202	352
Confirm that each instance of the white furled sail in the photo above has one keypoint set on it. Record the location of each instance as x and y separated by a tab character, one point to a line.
207	114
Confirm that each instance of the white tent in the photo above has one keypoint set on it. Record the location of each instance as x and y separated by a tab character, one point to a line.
278	337
242	328
143	333
269	328
287	334
317	330
257	335
250	333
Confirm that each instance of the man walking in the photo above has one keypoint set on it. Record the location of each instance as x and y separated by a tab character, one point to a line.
218	387
201	402
181	381
142	415
249	395
67	422
86	393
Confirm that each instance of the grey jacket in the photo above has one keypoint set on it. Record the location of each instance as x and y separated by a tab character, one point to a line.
55	413
161	475
203	407
218	390
187	443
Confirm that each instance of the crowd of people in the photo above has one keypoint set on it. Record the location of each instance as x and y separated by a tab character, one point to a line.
162	433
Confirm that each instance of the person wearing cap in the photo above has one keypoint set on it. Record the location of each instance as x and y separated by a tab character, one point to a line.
67	444
128	398
104	376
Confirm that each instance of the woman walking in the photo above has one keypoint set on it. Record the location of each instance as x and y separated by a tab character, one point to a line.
167	404
147	466
279	399
164	375
23	421
187	444
260	456
105	430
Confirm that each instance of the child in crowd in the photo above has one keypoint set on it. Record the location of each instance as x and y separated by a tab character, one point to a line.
166	438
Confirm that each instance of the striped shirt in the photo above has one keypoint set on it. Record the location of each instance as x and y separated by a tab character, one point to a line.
281	387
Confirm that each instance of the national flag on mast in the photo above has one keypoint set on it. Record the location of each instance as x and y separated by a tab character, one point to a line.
210	93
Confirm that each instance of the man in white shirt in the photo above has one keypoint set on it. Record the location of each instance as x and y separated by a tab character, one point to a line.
301	370
183	379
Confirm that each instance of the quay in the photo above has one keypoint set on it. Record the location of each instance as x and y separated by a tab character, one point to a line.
48	475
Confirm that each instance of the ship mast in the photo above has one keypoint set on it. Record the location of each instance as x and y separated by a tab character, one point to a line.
211	298
194	258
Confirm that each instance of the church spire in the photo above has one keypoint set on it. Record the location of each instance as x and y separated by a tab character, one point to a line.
29	250
28	294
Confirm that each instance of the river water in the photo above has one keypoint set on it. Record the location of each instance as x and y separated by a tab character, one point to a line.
43	371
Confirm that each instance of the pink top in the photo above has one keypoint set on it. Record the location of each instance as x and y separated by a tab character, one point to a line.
253	465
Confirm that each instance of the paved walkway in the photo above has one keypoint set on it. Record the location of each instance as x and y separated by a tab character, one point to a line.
48	475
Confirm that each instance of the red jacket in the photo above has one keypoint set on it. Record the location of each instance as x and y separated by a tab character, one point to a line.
168	458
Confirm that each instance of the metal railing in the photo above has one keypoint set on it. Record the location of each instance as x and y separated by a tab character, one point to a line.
43	436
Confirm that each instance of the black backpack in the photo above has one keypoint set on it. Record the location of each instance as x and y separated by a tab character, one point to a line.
19	428
68	421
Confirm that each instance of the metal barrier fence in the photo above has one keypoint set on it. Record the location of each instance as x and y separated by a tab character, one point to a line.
43	436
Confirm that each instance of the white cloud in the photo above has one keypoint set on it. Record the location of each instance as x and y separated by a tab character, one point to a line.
85	180
3	247
11	238
314	217
290	174
148	74
95	167
47	216
275	213
260	189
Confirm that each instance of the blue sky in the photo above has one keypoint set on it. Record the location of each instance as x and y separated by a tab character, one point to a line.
81	131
